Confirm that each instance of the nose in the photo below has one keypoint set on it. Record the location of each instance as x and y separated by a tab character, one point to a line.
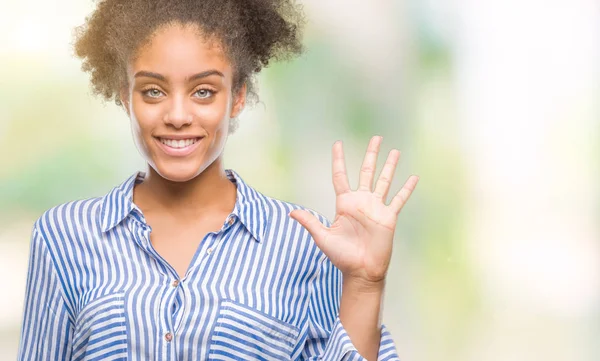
178	113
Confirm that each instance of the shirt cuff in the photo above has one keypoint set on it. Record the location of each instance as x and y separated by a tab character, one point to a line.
339	346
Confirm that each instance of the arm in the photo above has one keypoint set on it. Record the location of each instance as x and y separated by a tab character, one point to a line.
360	313
336	332
359	244
47	326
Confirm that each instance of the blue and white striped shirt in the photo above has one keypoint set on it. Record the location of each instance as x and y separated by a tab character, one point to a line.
258	289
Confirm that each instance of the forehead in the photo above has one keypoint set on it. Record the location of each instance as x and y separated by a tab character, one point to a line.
179	50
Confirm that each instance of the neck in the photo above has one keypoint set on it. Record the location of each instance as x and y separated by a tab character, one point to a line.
210	191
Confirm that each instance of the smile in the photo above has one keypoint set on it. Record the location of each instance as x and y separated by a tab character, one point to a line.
178	147
178	144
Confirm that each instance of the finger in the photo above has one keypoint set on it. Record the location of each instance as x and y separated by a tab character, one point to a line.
340	177
367	170
387	174
317	230
402	196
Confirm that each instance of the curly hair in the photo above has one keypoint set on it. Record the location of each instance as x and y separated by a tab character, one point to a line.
252	32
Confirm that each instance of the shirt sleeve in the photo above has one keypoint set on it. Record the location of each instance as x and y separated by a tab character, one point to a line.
327	339
47	327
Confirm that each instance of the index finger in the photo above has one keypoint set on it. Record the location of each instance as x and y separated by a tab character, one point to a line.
340	177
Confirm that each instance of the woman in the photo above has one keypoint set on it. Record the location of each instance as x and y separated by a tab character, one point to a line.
186	261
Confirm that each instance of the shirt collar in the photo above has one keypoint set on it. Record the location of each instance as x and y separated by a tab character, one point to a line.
250	205
117	204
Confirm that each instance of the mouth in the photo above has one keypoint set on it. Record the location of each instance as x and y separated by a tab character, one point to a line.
178	147
178	143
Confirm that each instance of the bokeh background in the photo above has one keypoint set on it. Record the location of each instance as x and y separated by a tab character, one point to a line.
494	104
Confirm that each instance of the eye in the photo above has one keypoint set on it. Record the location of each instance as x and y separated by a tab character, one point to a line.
152	92
204	93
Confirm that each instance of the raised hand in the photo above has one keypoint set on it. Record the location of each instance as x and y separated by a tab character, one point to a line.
359	241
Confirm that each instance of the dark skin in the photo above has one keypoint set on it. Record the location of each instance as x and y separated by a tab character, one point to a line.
185	197
176	233
164	100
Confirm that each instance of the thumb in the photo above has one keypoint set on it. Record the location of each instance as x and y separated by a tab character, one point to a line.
317	230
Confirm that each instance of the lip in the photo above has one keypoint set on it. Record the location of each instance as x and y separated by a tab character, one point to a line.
182	152
178	136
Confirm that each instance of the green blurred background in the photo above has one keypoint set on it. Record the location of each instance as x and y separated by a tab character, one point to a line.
493	104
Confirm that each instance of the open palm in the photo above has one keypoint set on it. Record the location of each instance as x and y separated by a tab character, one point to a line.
359	241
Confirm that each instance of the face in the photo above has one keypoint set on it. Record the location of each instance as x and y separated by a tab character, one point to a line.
180	101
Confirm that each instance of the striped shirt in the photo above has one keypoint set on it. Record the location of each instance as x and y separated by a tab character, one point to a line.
258	289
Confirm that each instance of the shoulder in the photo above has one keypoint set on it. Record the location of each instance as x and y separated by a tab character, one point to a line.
271	210
287	233
279	210
67	220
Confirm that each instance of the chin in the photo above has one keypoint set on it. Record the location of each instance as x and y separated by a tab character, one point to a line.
177	172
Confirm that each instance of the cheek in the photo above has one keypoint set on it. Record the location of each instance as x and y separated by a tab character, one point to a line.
146	116
212	116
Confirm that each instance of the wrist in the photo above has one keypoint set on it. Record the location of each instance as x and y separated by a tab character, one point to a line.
361	286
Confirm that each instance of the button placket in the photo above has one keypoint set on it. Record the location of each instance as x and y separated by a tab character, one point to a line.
228	222
166	309
178	309
216	244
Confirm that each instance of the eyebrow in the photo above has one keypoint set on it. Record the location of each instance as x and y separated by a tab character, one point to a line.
160	77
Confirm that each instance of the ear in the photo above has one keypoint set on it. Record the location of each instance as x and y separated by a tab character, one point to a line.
239	101
124	97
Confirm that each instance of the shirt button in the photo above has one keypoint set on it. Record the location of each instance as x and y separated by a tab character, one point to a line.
209	251
230	221
175	283
168	336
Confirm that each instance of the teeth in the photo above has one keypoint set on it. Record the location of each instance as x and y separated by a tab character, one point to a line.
178	143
